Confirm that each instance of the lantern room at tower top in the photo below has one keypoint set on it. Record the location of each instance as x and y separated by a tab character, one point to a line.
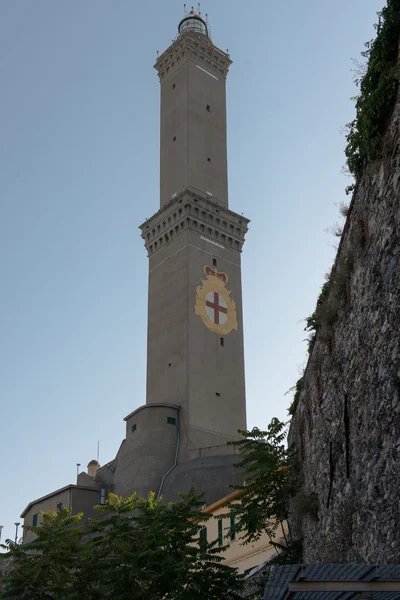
194	22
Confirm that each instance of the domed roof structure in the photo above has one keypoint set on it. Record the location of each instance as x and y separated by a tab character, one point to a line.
193	22
92	468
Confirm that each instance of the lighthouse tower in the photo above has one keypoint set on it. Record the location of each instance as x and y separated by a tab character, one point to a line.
195	356
195	401
195	398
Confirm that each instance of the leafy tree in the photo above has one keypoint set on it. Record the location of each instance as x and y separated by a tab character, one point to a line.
269	468
144	549
46	567
140	549
267	465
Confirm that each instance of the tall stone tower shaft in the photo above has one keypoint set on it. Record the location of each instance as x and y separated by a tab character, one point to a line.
193	118
195	356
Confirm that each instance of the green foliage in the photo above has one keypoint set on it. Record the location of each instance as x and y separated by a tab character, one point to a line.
270	471
140	550
296	398
47	567
156	553
313	322
267	465
378	91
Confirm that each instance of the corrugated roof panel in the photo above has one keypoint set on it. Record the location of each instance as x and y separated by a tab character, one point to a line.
277	586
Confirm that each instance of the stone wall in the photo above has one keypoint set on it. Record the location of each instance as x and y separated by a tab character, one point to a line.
347	423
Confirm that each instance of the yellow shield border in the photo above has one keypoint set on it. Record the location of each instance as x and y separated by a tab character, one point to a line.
215	282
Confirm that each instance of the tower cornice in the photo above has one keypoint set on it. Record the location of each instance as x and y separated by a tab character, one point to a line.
191	210
198	48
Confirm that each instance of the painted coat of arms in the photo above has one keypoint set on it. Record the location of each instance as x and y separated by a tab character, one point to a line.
213	303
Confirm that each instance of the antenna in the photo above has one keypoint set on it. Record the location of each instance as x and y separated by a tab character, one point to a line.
98	450
198	8
158	53
184	10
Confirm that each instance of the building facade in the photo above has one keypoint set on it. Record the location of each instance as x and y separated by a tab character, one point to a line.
78	498
243	557
195	399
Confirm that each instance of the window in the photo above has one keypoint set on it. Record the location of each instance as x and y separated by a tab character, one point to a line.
171	420
134	427
102	496
232	534
174	138
173	86
214	262
203	539
217	394
220	533
59	507
34	520
222	341
208	108
208	159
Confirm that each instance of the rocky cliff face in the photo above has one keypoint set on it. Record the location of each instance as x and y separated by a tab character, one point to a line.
347	422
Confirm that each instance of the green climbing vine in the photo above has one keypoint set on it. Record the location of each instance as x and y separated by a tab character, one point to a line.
378	91
313	322
296	398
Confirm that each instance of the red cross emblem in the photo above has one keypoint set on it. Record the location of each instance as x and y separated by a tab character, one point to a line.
214	304
216	308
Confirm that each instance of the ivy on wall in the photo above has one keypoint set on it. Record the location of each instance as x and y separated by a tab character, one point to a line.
296	398
313	321
378	91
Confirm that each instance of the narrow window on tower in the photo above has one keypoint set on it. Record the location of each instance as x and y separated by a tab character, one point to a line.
208	108
171	421
217	394
214	262
173	86
34	520
59	507
222	341
208	159
174	138
133	427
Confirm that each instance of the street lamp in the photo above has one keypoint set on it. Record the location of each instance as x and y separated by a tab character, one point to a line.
16	531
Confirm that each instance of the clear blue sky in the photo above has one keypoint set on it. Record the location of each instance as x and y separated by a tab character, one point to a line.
79	171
